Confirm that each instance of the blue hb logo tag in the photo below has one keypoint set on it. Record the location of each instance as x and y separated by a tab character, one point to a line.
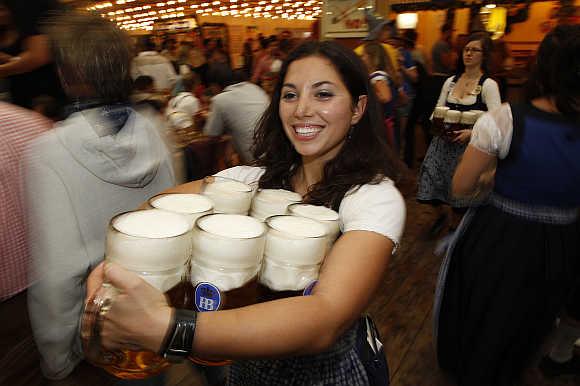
309	288
207	297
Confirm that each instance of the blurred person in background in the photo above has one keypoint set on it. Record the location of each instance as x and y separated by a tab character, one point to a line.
151	63
144	94
380	67
514	264
18	127
417	114
470	89
104	159
236	110
25	59
443	60
268	66
380	30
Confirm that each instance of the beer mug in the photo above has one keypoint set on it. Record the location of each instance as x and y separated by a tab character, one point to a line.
322	214
451	124
271	202
227	253
295	249
438	119
156	245
192	206
467	120
228	195
478	113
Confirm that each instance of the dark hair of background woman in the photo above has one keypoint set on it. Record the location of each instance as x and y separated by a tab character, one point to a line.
381	59
365	156
556	72
486	43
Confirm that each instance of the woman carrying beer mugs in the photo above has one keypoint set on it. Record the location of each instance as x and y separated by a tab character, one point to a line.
321	137
470	89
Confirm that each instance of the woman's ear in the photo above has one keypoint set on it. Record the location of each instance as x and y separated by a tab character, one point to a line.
359	109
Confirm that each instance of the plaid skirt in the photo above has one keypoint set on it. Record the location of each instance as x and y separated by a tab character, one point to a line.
338	366
507	274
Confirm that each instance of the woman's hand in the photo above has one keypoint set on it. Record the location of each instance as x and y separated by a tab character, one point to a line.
462	136
139	316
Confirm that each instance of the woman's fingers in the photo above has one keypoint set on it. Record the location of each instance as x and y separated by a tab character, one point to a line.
139	315
95	280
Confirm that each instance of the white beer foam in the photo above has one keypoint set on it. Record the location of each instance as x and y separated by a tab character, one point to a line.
300	227
227	186
152	224
182	203
231	226
315	212
278	195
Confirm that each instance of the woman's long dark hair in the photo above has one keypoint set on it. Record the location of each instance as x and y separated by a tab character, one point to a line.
556	71
486	46
364	158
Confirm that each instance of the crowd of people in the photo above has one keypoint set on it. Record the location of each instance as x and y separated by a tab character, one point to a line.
326	121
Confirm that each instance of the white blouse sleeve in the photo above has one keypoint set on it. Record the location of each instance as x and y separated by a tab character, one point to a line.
492	133
490	94
378	208
444	92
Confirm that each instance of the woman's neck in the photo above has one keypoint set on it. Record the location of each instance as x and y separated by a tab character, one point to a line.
308	174
473	72
546	104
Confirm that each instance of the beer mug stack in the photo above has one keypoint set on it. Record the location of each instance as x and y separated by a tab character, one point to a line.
192	206
451	124
322	214
295	249
271	202
468	119
439	119
207	254
227	195
156	245
227	254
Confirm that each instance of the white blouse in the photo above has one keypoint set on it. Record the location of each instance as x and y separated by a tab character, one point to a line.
492	133
489	94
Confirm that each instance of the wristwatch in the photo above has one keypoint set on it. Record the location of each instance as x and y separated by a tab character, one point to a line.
179	340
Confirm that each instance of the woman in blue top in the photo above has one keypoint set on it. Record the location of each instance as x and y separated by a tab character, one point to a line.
514	260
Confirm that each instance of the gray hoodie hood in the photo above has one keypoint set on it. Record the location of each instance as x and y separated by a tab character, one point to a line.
119	145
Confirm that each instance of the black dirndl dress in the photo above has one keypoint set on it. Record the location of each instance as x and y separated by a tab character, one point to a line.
442	157
508	272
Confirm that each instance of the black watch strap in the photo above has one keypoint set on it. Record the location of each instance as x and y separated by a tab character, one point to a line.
179	340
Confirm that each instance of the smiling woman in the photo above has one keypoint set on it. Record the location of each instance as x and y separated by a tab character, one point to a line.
321	136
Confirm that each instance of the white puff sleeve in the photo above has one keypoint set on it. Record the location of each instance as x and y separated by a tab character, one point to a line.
492	133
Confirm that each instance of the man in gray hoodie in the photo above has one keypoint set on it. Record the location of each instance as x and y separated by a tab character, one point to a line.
104	159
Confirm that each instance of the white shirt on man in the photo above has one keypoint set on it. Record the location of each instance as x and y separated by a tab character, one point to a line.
236	110
155	65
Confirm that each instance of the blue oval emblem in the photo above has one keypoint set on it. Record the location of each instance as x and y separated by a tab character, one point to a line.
207	297
309	288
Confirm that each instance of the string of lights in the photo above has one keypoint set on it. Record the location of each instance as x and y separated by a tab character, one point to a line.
139	14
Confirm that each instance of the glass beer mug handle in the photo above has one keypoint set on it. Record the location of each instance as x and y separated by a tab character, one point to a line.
91	323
